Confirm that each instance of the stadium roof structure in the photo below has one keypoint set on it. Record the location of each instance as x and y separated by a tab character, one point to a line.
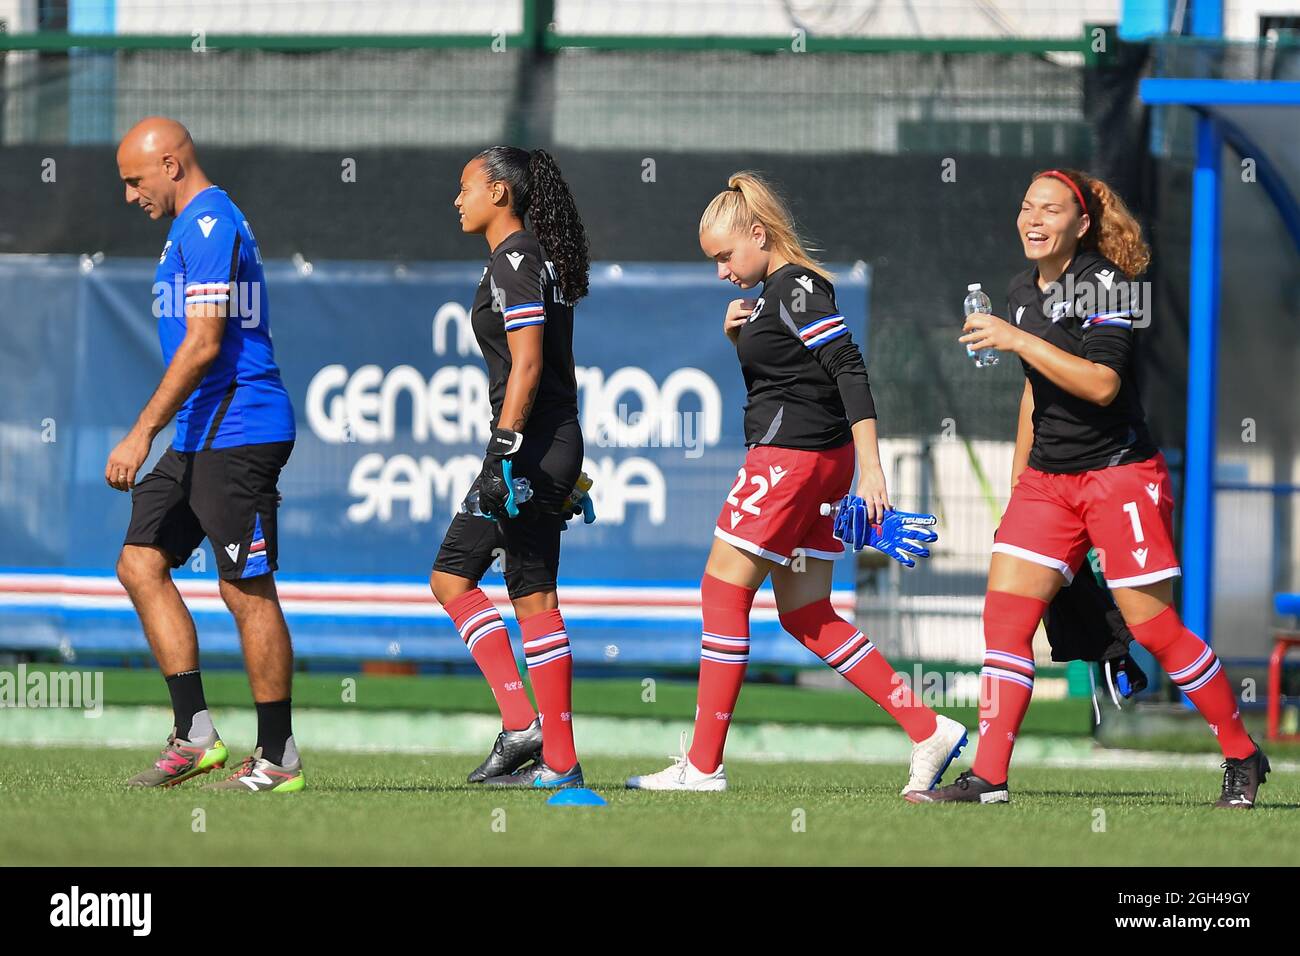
1257	120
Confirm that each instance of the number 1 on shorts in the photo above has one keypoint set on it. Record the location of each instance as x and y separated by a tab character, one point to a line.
1132	508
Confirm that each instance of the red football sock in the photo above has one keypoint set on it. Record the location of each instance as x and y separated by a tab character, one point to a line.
1196	671
485	634
841	645
1007	679
550	667
724	653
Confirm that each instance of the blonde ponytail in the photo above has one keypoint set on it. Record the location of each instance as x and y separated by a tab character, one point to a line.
750	199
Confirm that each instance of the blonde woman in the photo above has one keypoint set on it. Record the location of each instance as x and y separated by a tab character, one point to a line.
808	420
1085	474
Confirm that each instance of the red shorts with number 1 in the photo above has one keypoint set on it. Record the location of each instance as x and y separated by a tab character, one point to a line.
773	509
1125	512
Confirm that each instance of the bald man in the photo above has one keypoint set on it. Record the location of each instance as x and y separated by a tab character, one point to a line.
234	433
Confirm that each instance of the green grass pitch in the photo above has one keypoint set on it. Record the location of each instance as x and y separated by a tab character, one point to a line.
68	807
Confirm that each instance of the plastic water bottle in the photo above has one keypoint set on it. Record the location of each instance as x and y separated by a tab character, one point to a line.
523	491
977	301
580	488
579	500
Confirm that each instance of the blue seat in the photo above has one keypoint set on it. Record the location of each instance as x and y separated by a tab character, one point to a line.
1287	604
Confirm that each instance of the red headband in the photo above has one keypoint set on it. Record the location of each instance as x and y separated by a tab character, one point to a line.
1057	174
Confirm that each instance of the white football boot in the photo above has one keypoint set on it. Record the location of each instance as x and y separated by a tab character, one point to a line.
931	756
682	775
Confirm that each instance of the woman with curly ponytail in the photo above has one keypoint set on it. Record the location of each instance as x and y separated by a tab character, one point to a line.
557	225
523	321
1085	474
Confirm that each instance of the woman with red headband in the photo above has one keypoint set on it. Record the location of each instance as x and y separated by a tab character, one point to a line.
1086	473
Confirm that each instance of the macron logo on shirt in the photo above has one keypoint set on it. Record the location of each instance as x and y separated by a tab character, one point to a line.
515	258
206	224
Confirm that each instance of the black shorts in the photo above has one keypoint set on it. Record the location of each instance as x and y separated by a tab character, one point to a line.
227	495
526	549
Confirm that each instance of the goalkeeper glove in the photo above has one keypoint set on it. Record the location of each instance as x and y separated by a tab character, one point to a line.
895	536
496	494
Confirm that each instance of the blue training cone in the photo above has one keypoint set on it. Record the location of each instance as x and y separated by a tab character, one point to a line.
576	797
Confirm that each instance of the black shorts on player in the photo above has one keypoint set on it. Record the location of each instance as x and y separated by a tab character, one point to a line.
227	495
529	545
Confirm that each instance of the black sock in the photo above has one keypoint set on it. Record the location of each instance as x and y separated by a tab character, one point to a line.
273	728
186	689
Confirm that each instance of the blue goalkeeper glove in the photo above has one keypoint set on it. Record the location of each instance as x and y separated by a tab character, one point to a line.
896	534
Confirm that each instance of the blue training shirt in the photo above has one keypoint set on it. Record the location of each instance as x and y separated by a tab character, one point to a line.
210	257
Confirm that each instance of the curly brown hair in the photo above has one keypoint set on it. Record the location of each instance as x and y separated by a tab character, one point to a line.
1114	232
538	191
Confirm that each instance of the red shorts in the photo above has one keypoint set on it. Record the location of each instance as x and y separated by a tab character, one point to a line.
773	509
1125	512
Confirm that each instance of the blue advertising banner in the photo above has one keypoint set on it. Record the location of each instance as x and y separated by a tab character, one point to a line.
391	399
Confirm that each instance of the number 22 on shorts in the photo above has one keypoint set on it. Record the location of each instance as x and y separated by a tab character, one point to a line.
750	504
